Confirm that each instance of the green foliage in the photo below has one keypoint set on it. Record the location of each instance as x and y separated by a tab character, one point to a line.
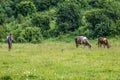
2	15
63	27
83	3
25	8
117	27
23	34
53	33
6	5
95	17
98	3
45	4
111	7
2	19
69	13
101	25
41	21
32	34
112	10
103	29
20	18
55	18
1	32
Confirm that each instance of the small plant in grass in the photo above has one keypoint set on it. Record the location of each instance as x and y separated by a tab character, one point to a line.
6	77
28	75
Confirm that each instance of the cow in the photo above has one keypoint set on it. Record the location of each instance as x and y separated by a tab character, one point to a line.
82	40
103	41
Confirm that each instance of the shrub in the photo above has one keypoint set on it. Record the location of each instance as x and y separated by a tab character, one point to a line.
69	13
32	34
100	24
45	4
41	21
63	27
25	8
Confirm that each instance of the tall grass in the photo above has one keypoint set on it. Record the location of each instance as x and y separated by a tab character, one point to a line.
59	61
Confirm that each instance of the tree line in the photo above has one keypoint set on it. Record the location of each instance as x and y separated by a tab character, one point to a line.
36	20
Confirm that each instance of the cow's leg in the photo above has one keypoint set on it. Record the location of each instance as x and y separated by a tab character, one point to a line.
104	45
76	45
84	44
98	44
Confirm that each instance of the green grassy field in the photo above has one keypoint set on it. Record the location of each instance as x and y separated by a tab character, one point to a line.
59	61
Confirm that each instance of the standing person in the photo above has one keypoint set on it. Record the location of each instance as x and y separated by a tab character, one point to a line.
9	38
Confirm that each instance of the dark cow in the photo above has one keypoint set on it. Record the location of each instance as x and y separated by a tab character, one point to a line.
103	41
82	40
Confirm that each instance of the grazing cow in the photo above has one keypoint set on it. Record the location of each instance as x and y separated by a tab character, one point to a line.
103	41
82	40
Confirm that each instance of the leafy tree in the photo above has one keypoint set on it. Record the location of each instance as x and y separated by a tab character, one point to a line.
20	18
69	13
112	10
101	25
25	8
118	27
41	21
2	15
63	27
1	32
2	18
6	5
45	4
98	3
83	3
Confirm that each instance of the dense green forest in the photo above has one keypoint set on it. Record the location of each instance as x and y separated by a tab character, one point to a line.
37	20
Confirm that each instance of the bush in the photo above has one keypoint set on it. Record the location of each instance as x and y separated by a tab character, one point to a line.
98	3
21	39
32	34
53	32
112	10
45	4
69	13
3	33
117	27
63	27
25	8
2	18
100	24
41	21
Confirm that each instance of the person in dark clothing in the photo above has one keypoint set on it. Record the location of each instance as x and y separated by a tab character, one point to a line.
9	38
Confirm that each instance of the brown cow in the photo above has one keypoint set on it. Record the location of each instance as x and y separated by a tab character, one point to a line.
103	41
82	40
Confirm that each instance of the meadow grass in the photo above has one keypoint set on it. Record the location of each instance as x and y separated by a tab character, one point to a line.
59	61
